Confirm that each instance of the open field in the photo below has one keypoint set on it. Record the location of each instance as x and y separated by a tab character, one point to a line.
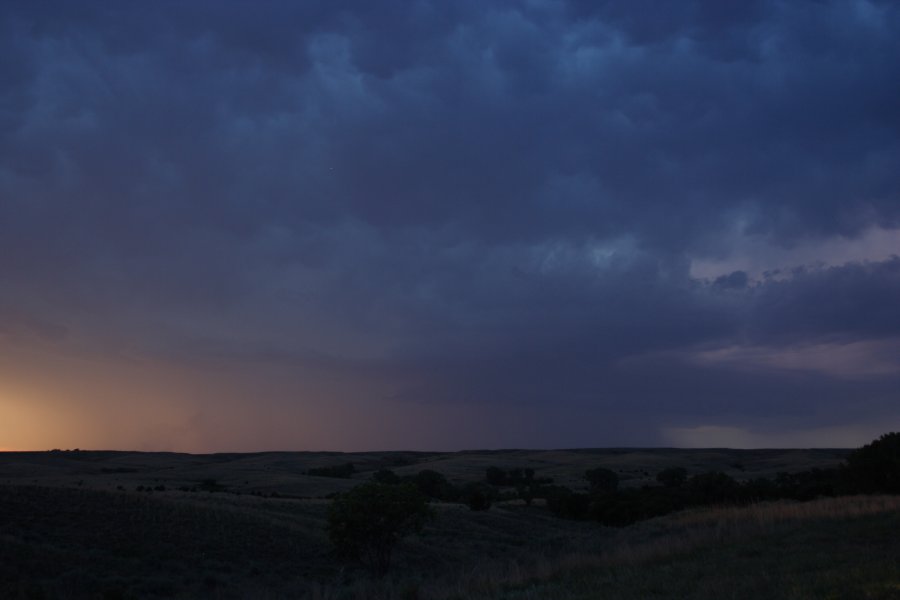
83	543
72	525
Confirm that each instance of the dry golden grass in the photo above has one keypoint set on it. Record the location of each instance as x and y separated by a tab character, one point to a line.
699	527
767	513
662	539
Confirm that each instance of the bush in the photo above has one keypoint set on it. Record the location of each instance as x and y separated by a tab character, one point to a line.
602	480
713	487
527	493
478	496
672	477
808	485
434	485
565	503
626	507
368	521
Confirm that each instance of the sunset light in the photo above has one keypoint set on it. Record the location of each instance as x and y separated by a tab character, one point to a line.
575	226
449	299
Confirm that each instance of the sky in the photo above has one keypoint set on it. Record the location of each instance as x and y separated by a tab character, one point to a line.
432	225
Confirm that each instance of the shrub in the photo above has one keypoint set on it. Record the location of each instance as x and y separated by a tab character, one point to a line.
434	485
565	503
629	506
527	493
478	496
672	477
807	485
713	487
602	480
368	521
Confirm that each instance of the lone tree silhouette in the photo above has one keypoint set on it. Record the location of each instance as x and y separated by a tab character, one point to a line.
368	521
876	466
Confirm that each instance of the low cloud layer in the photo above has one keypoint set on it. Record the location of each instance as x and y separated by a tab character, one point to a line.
429	224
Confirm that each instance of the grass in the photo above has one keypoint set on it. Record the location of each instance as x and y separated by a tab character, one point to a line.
285	473
839	559
87	544
829	548
81	543
74	535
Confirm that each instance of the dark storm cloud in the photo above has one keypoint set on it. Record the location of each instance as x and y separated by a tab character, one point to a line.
855	301
496	202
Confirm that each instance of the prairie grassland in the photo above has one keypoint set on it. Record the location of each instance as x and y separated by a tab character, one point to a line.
80	543
829	548
285	473
75	535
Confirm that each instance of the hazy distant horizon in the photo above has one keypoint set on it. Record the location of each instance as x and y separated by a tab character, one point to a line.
434	451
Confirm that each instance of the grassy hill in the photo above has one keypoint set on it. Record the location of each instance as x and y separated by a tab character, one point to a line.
840	548
80	543
72	525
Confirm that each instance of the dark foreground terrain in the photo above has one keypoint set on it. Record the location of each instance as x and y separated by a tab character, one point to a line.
74	525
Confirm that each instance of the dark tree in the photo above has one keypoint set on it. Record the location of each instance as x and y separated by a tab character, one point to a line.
433	484
367	522
672	477
876	466
602	480
478	496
